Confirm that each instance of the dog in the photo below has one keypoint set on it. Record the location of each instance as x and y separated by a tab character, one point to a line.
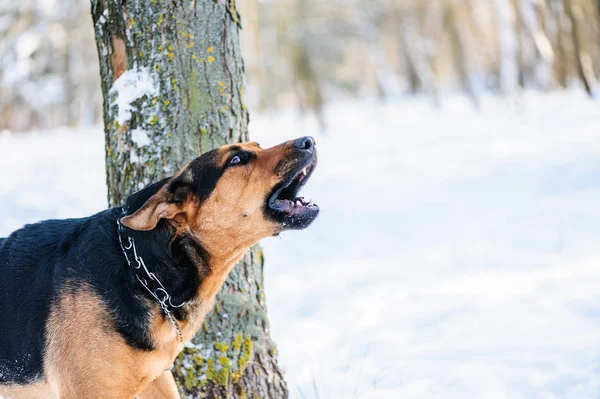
100	307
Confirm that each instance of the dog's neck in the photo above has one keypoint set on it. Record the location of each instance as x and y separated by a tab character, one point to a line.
190	269
165	267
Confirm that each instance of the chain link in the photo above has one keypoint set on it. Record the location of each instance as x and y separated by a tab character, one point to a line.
160	293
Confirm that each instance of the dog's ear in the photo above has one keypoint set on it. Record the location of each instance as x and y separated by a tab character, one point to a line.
172	200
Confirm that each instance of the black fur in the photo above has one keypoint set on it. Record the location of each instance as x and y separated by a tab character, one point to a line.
206	173
41	261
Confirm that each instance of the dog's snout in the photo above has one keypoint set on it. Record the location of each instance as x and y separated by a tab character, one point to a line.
306	143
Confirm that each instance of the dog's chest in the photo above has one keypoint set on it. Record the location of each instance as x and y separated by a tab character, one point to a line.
166	339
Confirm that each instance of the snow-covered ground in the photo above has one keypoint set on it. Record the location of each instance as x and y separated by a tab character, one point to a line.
457	254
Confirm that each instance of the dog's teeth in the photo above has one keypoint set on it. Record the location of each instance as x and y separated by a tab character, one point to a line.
298	202
304	171
310	202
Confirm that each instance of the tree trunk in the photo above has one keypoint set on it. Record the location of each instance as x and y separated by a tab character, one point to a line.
307	84
172	81
417	60
506	28
460	49
561	69
584	71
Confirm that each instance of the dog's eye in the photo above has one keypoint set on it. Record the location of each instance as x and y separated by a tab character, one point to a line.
235	160
240	158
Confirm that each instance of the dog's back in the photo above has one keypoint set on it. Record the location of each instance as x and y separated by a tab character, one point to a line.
27	274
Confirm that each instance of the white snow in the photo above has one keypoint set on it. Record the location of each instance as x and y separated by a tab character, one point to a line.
140	137
456	254
130	86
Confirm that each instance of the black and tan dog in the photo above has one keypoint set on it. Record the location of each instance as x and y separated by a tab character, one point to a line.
100	307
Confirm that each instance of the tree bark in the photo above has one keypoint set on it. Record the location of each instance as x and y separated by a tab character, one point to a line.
172	82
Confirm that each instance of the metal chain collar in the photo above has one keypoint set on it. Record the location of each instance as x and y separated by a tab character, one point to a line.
160	293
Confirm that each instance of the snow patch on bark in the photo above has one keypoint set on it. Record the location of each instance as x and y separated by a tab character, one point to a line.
101	21
132	85
133	156
140	137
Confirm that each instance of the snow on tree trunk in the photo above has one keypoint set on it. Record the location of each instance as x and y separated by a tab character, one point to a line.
172	80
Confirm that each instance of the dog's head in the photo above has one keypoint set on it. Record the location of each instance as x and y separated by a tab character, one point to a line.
237	194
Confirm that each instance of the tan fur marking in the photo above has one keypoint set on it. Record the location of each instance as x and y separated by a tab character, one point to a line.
163	387
85	357
232	219
33	391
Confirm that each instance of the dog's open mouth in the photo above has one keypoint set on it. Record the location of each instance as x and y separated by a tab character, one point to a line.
292	211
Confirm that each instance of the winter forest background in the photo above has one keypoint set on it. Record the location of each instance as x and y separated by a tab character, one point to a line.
305	53
456	254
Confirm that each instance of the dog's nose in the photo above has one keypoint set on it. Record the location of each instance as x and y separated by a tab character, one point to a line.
305	143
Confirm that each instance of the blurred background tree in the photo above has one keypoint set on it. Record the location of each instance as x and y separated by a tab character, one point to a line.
48	65
304	53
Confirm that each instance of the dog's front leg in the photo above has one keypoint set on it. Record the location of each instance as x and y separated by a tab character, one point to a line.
162	387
